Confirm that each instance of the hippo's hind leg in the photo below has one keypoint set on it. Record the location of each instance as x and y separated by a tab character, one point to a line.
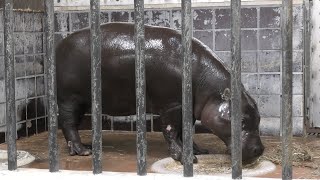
172	132
196	149
70	114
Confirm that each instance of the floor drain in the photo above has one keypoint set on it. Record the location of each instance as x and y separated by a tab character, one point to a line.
212	164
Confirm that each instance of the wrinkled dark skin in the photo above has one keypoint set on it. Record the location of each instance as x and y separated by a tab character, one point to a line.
211	82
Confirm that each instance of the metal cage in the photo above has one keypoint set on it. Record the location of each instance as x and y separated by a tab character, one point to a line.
286	102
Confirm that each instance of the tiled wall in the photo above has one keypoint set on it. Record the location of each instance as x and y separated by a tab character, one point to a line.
261	54
29	68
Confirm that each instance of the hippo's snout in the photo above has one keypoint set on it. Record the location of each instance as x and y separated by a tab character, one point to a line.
250	151
257	151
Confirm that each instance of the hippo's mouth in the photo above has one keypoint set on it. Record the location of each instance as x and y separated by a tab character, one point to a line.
245	162
249	161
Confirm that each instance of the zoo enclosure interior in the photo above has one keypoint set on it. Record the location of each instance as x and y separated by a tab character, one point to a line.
257	61
261	58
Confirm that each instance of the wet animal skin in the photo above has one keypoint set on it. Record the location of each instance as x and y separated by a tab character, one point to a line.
163	56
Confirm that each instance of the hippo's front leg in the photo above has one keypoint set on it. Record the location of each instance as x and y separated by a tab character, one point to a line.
69	118
172	132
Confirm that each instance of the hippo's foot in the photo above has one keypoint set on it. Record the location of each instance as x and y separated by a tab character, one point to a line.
197	150
88	146
79	149
176	153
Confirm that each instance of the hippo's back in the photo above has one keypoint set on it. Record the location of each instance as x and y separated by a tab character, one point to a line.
163	68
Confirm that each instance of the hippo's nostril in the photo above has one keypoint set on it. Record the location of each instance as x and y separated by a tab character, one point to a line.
257	151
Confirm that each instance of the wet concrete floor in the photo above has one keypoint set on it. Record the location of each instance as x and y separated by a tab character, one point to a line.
119	152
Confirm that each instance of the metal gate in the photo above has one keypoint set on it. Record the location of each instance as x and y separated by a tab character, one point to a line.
286	103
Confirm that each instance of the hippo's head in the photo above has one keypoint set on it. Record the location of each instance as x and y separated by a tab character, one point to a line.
216	117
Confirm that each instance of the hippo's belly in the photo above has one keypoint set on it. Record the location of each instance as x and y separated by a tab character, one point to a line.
163	85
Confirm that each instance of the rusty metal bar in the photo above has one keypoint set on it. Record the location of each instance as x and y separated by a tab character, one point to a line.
286	102
10	85
51	87
96	86
140	87
236	127
187	106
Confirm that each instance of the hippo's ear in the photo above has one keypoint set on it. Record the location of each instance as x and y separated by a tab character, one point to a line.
224	110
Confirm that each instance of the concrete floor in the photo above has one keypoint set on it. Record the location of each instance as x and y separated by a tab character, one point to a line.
119	152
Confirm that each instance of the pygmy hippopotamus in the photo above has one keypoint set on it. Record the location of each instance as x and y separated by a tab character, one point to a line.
163	57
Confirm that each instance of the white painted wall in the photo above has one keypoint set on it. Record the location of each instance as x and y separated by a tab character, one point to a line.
315	66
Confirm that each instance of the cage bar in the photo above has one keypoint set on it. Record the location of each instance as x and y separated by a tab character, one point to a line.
96	86
187	106
306	60
140	87
51	87
286	102
236	127
10	85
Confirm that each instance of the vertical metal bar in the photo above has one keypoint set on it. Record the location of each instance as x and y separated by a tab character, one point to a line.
96	86
140	87
51	83
10	84
306	57
286	102
131	122
112	121
151	119
187	105
36	103
236	127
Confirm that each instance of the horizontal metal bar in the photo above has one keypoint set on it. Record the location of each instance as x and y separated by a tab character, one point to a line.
236	127
177	4
286	102
96	86
10	85
31	119
51	87
140	87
